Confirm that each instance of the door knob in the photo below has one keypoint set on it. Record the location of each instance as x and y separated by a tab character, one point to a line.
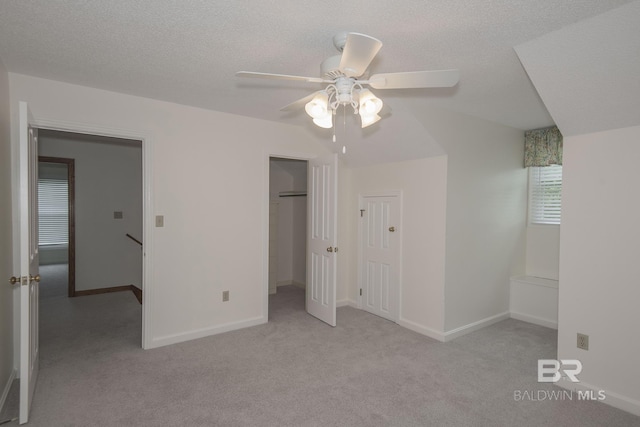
13	280
329	249
392	229
35	278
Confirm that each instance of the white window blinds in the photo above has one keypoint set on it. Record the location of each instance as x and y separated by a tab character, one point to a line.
53	211
545	194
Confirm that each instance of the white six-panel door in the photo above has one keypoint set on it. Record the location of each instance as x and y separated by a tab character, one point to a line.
380	254
27	239
322	238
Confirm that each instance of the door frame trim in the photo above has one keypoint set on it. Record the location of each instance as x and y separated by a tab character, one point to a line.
361	197
147	203
71	185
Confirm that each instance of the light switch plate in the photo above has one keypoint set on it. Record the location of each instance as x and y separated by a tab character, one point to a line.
159	220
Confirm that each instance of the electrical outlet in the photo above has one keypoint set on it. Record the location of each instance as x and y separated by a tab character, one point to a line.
583	341
225	296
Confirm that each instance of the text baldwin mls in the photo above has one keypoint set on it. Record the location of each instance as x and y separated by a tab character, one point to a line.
548	395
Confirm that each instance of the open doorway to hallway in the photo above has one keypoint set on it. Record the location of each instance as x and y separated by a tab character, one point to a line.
94	245
287	234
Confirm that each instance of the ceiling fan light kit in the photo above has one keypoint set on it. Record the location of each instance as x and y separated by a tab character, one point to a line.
341	74
317	108
346	91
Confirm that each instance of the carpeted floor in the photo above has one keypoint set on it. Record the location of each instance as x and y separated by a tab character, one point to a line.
55	280
293	371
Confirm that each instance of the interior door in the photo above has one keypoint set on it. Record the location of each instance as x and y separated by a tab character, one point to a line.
27	239
380	260
322	241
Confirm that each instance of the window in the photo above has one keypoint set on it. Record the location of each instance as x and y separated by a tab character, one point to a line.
53	211
545	194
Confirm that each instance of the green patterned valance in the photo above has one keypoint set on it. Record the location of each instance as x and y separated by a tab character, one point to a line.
543	147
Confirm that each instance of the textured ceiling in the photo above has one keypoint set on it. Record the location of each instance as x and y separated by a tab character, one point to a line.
605	50
187	52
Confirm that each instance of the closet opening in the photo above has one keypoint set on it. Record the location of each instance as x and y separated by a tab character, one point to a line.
287	234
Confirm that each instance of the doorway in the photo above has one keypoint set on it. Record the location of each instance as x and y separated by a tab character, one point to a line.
287	232
105	209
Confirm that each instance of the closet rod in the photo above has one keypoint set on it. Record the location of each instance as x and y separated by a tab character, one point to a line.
292	194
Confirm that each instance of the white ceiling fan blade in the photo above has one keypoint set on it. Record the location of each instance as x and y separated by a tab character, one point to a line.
300	103
415	79
281	77
359	51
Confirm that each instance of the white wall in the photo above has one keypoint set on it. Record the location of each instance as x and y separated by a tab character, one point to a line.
599	241
346	243
464	223
6	249
543	251
108	178
486	214
208	172
423	183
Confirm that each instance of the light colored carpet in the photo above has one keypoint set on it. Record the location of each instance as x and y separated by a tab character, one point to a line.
55	280
293	371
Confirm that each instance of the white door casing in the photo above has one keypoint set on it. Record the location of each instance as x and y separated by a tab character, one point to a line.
322	238
27	238
380	253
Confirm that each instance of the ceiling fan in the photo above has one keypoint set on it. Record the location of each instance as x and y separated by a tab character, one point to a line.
346	80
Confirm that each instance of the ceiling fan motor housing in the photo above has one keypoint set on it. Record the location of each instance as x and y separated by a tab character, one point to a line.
344	86
330	67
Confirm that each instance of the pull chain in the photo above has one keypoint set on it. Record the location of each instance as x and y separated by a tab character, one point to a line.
334	125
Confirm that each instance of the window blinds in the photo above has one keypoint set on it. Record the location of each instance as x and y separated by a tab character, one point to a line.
53	211
545	194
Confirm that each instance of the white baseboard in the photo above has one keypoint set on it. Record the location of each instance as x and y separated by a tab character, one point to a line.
612	399
291	282
205	332
421	329
346	302
284	283
471	327
7	388
455	333
535	320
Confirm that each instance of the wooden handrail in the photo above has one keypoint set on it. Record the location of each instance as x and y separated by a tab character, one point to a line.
134	239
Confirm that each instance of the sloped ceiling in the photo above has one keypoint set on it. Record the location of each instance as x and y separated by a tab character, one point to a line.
588	74
187	52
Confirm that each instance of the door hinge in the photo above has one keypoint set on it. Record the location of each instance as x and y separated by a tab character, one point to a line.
362	212
360	291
